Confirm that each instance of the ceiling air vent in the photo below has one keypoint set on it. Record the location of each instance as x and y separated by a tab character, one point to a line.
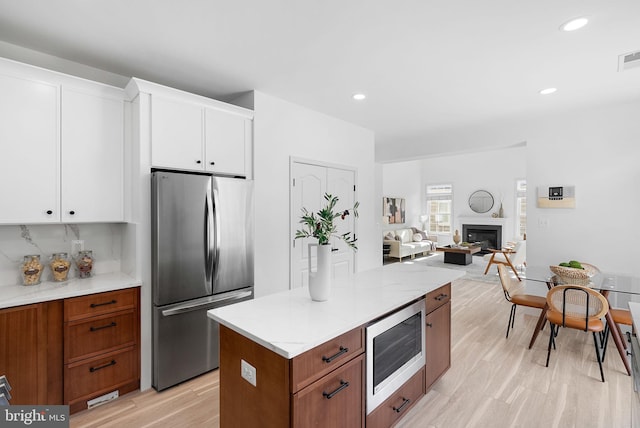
628	61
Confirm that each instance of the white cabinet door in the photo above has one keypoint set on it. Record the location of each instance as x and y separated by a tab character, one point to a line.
29	135
92	157
177	134
228	140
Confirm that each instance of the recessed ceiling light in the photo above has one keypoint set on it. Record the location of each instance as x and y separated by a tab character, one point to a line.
574	24
359	97
548	91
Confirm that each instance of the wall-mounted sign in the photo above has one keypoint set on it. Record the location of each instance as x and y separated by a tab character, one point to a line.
556	197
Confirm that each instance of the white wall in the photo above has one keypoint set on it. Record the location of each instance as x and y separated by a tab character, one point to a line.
404	180
283	130
597	150
495	171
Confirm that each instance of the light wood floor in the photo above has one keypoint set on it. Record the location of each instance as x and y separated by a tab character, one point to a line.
493	382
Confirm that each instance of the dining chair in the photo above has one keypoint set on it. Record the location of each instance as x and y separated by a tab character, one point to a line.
511	257
578	307
514	292
620	317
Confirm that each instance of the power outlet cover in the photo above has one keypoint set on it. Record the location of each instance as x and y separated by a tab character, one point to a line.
248	372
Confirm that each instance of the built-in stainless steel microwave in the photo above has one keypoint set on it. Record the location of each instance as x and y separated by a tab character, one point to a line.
395	352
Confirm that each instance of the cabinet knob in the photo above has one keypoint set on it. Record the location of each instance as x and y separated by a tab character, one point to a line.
49	212
212	163
198	162
72	212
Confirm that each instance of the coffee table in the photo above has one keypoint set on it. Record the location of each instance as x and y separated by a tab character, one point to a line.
458	255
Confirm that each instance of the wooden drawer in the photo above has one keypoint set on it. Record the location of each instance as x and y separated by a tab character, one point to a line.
336	400
438	297
396	406
98	304
315	363
90	337
97	376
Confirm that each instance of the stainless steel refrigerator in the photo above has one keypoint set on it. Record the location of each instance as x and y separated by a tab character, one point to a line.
202	258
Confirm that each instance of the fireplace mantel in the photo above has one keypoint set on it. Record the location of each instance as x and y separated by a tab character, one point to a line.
482	220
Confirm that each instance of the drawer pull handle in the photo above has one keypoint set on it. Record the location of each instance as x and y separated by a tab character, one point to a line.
405	401
104	366
429	324
113	324
342	350
330	395
441	296
95	305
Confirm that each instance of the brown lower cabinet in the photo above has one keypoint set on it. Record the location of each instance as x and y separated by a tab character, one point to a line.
31	352
395	407
438	334
321	387
101	346
72	350
325	386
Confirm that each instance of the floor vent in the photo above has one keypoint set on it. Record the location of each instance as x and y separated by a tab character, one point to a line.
102	399
628	61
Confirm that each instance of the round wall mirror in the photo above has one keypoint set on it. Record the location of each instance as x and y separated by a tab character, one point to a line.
481	201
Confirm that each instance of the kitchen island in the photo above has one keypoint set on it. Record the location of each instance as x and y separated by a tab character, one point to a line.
281	353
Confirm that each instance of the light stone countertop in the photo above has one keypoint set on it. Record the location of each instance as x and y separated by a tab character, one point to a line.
16	295
290	323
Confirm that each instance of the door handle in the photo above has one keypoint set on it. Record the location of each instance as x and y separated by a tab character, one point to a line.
211	301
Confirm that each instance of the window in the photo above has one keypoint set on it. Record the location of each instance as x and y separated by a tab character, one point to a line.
439	208
521	207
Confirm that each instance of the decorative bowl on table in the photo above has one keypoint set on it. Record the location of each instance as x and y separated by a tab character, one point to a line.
571	275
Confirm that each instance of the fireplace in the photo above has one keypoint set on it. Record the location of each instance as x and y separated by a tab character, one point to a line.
488	236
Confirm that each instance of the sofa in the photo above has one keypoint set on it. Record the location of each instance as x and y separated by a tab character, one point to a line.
409	242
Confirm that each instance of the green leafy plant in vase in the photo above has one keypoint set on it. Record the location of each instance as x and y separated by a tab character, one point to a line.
321	226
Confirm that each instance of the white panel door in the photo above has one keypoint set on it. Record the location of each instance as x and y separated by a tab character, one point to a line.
30	139
308	187
341	183
92	157
309	184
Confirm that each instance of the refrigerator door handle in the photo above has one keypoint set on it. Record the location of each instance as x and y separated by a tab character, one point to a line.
209	229
216	233
212	301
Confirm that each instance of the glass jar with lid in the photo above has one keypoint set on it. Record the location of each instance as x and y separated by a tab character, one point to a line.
59	265
84	263
31	269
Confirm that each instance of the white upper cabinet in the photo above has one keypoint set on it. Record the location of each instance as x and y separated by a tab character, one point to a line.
92	157
176	134
63	148
29	135
228	142
191	132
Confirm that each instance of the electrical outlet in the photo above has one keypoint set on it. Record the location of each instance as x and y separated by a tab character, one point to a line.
248	372
76	246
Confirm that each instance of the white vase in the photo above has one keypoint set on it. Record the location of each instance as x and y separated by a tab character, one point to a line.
320	280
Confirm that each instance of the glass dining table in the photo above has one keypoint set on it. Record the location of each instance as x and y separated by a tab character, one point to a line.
604	282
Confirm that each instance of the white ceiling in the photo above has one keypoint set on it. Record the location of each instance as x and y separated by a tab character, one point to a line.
425	65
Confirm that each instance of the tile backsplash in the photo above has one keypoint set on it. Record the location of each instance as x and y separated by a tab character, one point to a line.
105	240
